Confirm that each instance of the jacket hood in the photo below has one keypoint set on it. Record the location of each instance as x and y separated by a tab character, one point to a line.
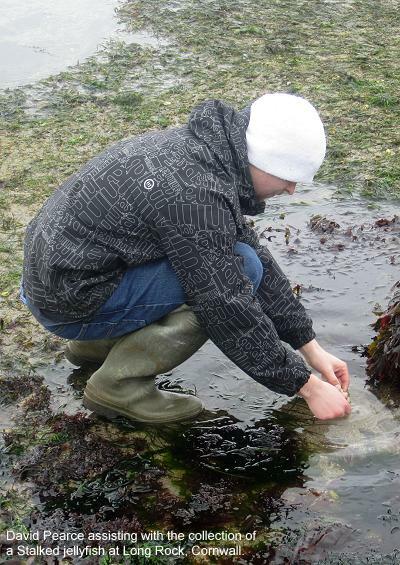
223	130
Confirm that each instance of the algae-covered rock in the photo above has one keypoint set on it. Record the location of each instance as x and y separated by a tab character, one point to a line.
383	364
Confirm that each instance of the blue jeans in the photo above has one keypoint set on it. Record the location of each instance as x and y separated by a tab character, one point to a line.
145	294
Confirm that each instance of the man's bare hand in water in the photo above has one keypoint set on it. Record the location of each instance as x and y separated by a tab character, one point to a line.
324	400
332	369
330	399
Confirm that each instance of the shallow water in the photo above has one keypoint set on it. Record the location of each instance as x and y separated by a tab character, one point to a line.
44	37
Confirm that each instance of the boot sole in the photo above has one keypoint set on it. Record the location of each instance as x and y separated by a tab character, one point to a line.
113	412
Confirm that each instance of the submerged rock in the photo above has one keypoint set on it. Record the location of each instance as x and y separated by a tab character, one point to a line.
363	451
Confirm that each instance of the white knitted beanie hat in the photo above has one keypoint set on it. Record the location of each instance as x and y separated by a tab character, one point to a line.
285	137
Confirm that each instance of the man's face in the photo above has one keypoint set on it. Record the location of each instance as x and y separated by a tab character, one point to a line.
266	185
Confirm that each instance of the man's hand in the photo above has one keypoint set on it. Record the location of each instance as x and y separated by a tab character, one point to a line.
324	400
332	369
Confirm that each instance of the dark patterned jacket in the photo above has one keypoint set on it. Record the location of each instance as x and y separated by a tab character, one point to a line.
180	193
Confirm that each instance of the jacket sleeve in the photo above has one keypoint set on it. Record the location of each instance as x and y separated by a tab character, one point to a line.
199	241
277	300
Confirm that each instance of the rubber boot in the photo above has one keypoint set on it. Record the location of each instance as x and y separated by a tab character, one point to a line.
91	351
125	384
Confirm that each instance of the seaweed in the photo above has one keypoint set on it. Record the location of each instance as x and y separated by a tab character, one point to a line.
209	506
321	224
222	446
383	363
15	386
